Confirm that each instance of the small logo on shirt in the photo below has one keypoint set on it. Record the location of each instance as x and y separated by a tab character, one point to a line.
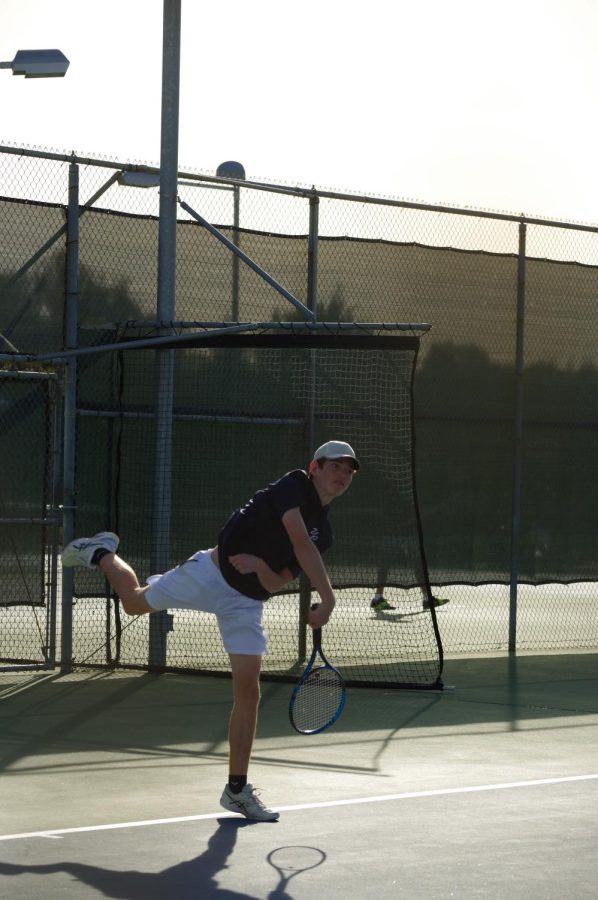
314	534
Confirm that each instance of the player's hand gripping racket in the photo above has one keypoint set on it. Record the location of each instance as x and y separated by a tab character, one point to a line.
319	695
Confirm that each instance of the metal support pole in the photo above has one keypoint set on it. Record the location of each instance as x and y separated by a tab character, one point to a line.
235	273
70	410
310	429
312	305
518	442
53	510
169	150
312	254
164	360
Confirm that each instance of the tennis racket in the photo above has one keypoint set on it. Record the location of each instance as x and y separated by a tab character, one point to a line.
319	696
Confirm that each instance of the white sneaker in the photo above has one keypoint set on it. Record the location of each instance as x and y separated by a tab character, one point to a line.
80	551
248	803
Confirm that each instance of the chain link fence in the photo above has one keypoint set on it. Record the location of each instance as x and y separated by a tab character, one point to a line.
30	418
507	382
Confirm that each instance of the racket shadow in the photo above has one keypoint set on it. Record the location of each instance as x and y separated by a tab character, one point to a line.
290	861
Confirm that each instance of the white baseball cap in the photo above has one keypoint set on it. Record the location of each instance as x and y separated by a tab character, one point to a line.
336	450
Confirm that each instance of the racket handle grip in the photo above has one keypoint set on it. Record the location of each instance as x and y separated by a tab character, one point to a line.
313	607
317	632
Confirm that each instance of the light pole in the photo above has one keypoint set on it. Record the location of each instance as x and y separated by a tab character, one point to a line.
160	623
38	64
232	169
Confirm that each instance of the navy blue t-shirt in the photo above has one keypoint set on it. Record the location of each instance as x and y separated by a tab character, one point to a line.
257	528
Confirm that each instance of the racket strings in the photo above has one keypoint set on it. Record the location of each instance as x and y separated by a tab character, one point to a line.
318	699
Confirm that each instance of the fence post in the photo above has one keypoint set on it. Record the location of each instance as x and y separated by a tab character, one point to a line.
56	431
518	440
70	410
235	286
312	304
312	253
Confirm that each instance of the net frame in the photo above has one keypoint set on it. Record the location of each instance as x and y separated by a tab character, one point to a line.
309	340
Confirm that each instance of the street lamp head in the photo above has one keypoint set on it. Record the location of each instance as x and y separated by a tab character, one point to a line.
231	169
38	64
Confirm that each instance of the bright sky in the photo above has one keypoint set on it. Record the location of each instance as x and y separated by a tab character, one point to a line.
469	103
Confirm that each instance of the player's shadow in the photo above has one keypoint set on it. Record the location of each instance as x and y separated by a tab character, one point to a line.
185	881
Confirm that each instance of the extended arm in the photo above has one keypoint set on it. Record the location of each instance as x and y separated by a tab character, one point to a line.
309	558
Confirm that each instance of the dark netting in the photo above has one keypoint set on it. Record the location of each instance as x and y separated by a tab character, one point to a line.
466	382
32	261
28	529
246	410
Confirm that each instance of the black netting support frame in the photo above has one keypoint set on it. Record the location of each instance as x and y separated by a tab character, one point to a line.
246	408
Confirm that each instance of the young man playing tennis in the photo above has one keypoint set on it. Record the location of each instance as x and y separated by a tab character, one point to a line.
280	532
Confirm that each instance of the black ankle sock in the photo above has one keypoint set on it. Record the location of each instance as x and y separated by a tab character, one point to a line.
236	783
100	552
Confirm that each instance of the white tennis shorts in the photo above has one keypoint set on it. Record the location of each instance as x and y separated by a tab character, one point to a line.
198	584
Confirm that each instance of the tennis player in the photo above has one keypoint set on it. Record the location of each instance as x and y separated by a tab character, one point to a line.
281	532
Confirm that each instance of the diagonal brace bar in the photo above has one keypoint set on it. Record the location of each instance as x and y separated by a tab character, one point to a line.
307	313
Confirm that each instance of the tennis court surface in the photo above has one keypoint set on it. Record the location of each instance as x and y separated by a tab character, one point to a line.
111	783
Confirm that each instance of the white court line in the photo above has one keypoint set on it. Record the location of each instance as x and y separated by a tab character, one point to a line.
409	795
